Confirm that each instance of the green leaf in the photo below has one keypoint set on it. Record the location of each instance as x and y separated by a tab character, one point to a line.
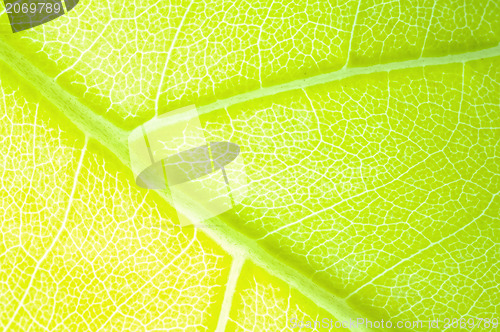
370	134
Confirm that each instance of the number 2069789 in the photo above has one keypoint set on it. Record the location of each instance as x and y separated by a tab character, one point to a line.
33	8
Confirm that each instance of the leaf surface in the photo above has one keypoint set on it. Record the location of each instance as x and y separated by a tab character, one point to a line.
370	133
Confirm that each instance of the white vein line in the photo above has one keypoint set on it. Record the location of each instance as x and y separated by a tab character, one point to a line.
259	41
84	52
424	249
234	274
349	49
56	238
428	29
347	72
169	54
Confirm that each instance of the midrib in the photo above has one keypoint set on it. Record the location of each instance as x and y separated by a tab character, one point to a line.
97	127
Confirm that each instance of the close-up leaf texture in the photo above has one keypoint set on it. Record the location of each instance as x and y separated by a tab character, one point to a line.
370	134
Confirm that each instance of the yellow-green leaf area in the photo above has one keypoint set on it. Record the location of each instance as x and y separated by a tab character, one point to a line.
369	131
81	242
132	62
357	178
